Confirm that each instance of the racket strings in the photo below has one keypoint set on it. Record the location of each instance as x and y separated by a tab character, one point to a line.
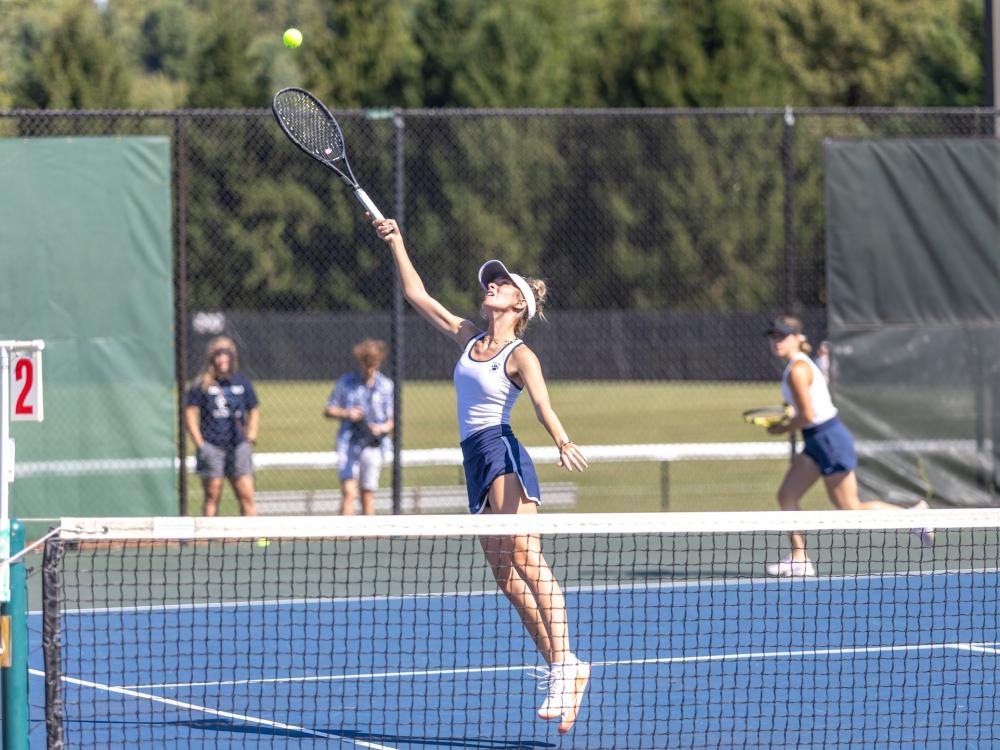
310	126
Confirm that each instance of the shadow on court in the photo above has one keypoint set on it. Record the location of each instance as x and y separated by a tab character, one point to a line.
475	743
592	576
409	741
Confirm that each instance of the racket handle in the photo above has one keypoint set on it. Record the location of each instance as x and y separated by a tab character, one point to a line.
362	196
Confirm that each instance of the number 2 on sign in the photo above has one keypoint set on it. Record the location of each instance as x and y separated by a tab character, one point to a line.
27	388
24	374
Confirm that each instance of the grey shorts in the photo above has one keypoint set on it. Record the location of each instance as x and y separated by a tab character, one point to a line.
364	466
215	462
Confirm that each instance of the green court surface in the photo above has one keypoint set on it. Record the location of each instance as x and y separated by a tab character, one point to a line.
595	413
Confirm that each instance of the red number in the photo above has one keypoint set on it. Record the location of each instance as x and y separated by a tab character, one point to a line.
24	370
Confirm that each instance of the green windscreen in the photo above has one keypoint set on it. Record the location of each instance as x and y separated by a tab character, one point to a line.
85	245
913	262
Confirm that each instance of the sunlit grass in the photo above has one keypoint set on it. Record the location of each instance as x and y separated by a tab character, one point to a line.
594	413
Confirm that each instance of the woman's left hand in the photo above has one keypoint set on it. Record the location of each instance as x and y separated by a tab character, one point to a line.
570	457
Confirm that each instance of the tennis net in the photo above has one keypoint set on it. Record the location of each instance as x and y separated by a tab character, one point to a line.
390	632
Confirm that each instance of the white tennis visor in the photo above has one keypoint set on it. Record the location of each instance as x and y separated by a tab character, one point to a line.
493	268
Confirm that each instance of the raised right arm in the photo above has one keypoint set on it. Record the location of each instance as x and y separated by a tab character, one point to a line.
454	327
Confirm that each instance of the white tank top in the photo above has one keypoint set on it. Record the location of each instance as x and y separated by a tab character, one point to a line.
485	393
819	391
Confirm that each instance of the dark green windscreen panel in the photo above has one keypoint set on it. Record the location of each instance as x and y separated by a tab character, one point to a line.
913	263
85	241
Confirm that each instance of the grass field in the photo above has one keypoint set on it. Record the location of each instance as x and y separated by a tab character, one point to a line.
592	412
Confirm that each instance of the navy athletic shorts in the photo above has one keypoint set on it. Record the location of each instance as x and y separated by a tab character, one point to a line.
492	452
831	446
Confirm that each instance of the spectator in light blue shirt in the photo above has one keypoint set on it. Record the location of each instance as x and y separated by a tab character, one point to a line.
363	402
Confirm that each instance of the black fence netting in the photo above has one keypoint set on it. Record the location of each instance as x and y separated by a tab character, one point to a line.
667	238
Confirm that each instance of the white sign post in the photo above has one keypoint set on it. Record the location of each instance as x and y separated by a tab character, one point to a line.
21	400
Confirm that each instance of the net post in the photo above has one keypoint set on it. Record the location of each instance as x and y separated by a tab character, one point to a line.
52	641
16	724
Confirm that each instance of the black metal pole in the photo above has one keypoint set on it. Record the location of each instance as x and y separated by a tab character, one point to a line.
180	302
398	338
788	167
990	100
990	97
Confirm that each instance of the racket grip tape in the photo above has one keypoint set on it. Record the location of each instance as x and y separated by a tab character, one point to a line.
365	201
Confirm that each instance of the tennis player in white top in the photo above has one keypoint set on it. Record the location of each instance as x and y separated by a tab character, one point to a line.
829	446
493	368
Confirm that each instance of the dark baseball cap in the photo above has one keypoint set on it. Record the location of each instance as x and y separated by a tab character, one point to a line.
780	326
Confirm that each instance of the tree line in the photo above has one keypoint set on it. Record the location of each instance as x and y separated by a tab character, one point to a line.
645	212
167	54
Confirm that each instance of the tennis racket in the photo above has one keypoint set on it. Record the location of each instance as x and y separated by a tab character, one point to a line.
310	126
767	416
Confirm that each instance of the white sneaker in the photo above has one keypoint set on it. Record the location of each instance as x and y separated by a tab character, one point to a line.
565	684
786	567
926	534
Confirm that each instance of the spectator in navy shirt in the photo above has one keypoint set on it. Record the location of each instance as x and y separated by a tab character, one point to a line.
362	401
222	417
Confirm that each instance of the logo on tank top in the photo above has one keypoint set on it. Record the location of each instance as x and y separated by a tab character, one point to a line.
495	366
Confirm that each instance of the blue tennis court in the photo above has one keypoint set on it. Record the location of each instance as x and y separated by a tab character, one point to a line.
875	661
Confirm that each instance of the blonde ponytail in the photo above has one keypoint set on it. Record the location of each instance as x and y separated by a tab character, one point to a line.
539	290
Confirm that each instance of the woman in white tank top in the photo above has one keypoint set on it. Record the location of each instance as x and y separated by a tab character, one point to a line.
829	446
492	370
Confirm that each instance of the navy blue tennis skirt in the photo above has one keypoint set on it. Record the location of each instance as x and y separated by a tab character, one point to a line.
492	452
831	446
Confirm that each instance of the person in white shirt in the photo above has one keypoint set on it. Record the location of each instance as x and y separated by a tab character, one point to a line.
829	446
492	370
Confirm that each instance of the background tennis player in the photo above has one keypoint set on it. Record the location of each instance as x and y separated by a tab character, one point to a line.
829	446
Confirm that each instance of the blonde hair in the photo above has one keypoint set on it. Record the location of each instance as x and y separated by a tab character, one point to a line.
370	352
792	322
210	374
538	290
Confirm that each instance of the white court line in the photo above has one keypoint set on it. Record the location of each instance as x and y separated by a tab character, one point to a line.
768	581
134	692
212	711
337	677
988	648
801	653
983	648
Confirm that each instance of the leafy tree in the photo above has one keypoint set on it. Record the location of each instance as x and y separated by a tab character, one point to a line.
78	66
361	53
874	52
673	53
949	68
224	72
439	29
516	53
164	39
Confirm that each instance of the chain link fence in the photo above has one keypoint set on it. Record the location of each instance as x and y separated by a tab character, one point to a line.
667	239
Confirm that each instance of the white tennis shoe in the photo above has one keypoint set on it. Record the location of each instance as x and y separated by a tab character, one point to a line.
565	684
926	534
786	567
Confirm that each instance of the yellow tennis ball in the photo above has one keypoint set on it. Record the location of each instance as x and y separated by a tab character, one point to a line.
263	542
292	38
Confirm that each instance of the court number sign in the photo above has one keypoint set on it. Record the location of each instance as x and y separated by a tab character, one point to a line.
26	387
